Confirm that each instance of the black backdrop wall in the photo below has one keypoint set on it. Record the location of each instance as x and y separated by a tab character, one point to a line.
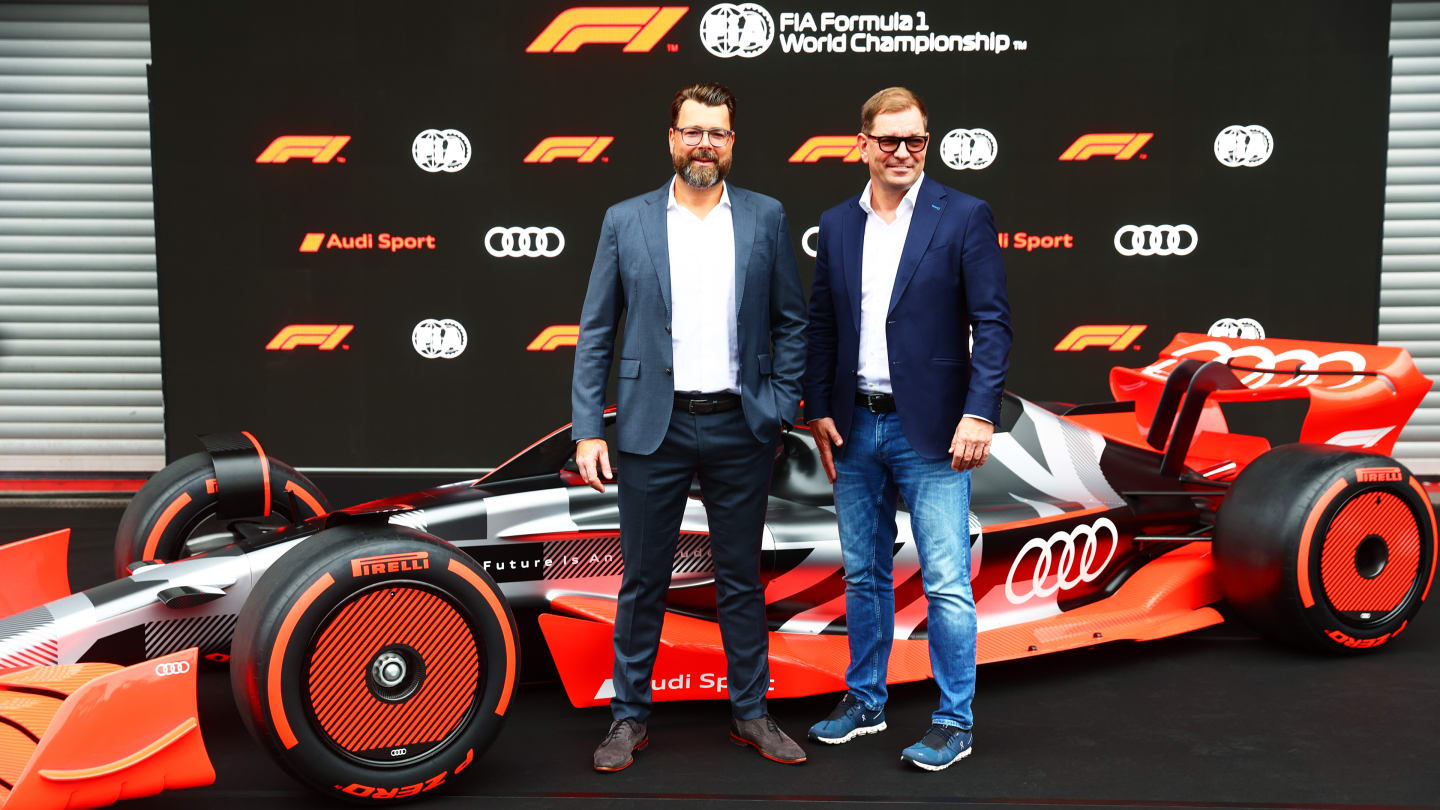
1265	155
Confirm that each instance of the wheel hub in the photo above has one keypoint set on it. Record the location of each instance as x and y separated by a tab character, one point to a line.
389	669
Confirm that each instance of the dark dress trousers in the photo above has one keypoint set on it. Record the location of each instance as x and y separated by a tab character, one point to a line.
950	278
662	448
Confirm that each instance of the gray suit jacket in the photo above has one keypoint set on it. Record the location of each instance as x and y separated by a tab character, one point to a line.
631	275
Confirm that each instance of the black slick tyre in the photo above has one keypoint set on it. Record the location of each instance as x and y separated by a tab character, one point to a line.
179	504
374	662
1326	548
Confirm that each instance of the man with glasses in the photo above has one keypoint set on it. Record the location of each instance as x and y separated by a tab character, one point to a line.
710	365
899	407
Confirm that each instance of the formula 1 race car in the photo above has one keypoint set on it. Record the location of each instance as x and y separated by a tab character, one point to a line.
373	650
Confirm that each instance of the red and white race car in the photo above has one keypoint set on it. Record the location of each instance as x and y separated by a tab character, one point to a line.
374	652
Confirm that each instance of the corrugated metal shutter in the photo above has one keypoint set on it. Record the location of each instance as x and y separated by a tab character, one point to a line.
79	325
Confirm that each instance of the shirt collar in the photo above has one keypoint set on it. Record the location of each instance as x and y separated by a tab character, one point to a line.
910	197
671	204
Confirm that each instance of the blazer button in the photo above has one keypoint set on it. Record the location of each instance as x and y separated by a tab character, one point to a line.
667	369
667	330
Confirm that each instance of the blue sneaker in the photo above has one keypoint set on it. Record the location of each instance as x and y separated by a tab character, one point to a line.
939	748
849	720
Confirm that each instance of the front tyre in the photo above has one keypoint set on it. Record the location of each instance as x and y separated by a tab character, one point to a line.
1326	548
374	662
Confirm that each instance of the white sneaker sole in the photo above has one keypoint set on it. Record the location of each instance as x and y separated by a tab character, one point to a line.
923	766
859	731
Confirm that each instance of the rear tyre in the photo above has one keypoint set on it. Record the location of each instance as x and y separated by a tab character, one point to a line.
1327	548
171	515
374	662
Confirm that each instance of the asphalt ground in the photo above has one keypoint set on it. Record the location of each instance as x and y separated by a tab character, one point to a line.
1219	718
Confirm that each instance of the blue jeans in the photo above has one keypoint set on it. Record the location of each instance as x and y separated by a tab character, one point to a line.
876	464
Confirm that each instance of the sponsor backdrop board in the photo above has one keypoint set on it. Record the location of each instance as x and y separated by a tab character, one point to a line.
375	223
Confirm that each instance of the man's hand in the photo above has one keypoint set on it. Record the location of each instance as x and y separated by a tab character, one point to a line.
590	454
826	435
971	445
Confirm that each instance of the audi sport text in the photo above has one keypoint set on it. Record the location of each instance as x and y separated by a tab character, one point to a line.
393	243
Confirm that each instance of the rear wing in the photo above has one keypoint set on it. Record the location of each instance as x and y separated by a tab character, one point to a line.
1359	395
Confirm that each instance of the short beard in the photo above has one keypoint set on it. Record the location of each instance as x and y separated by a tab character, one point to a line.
701	177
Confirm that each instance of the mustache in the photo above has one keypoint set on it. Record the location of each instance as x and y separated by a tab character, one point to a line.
703	154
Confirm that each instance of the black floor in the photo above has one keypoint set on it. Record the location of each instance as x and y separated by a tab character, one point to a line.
1218	718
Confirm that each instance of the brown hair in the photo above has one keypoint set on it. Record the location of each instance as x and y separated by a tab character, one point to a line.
711	94
891	100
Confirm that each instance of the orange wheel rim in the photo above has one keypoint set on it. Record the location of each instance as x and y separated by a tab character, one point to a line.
412	635
1371	555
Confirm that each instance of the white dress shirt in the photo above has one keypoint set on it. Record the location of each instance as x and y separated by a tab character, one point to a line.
702	296
879	261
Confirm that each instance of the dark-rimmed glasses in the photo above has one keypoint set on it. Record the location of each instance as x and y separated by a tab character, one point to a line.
889	143
691	136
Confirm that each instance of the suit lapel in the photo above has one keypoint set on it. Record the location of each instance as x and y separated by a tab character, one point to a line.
929	204
853	249
652	224
742	220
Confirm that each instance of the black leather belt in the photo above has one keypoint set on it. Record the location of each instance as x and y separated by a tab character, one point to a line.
707	403
876	403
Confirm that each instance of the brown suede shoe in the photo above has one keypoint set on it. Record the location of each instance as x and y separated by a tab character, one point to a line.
767	738
615	752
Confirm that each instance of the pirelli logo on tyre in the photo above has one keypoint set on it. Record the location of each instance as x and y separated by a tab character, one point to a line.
638	28
584	148
1365	475
820	147
389	563
318	148
1122	145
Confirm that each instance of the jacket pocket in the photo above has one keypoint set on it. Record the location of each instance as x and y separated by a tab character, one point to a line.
629	368
763	363
956	361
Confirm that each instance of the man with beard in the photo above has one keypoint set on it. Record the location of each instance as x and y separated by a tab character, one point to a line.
709	373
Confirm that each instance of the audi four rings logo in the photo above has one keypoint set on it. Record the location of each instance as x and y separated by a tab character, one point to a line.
441	150
1267	363
1062	570
532	243
968	149
1243	146
809	241
1156	240
172	668
744	30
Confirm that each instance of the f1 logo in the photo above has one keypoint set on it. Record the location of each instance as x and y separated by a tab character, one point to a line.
554	337
323	336
584	148
638	28
828	146
319	148
1117	337
1123	145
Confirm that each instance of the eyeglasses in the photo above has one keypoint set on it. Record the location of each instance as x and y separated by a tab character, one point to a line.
690	136
888	143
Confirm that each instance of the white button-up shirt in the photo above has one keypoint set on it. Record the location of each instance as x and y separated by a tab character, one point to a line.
702	296
879	262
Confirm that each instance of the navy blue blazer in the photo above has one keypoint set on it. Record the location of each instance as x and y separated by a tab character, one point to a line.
950	278
631	275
